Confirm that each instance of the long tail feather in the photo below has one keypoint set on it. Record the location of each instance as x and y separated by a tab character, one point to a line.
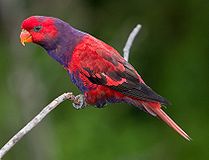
161	114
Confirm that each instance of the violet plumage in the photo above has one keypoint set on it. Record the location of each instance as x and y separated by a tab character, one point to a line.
96	68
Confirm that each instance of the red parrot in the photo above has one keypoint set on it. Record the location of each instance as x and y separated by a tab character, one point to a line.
96	68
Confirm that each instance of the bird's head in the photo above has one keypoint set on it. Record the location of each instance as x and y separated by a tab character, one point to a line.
53	34
39	29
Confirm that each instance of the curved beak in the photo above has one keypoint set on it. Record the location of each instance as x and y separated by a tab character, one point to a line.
25	37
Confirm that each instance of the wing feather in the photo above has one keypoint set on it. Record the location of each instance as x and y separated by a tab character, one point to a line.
103	65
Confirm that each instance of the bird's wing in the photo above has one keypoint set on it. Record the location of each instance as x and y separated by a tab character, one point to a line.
103	65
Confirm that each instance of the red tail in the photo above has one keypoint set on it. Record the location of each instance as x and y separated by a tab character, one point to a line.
161	114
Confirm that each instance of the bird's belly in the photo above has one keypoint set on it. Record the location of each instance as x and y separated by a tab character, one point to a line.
78	82
96	94
102	95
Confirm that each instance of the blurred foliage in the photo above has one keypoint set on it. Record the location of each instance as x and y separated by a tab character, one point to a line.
171	54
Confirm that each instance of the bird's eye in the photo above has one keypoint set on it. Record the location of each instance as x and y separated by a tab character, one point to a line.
37	28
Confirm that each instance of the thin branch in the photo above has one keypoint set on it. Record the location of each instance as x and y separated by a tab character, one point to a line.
36	120
65	96
129	42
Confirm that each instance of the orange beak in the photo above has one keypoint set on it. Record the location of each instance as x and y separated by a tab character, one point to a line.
25	37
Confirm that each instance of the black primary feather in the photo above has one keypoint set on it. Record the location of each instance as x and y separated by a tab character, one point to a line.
132	87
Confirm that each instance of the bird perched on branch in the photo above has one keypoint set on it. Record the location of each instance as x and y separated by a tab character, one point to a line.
96	68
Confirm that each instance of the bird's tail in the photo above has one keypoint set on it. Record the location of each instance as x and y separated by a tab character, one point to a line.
155	109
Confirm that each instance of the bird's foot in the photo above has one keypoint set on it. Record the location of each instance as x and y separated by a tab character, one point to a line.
79	102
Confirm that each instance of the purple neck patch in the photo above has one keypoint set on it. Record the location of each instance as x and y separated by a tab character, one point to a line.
61	47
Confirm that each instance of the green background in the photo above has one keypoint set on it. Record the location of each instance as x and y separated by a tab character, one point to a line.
171	53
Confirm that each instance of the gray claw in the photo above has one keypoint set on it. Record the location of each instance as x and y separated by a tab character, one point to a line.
79	102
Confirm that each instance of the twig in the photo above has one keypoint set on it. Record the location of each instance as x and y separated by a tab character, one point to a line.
38	118
130	40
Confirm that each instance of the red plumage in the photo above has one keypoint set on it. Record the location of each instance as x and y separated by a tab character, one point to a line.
96	68
95	61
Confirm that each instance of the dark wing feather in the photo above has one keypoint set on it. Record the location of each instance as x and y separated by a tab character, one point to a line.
111	70
141	91
132	87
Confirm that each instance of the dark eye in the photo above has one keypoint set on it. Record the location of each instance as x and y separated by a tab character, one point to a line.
37	28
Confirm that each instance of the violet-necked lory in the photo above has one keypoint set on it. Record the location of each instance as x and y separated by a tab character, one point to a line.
96	68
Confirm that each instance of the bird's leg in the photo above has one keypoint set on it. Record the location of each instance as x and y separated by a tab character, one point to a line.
79	102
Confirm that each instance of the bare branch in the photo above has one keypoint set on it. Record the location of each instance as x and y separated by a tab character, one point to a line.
38	118
129	42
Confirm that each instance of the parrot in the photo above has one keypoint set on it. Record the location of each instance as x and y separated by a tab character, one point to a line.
96	68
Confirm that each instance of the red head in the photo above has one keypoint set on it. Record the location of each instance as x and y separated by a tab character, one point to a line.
53	34
38	29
